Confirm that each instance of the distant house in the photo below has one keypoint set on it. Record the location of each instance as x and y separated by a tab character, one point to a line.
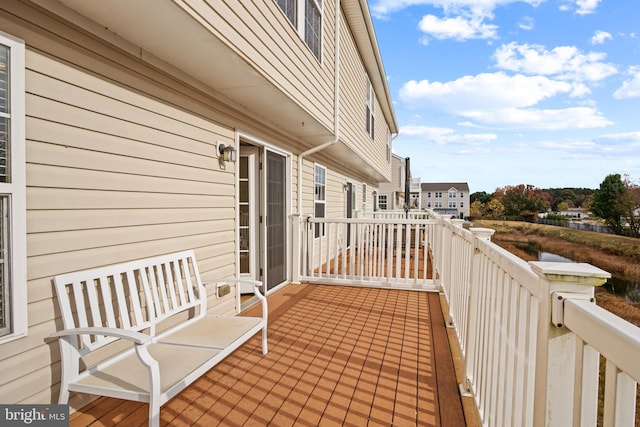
391	195
119	124
446	198
575	213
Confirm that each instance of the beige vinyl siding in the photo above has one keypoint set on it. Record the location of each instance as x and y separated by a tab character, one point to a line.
121	164
261	33
353	90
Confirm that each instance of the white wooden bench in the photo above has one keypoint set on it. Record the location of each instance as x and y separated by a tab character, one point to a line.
160	306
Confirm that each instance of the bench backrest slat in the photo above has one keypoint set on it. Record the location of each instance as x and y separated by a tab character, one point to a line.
135	302
187	278
135	295
106	299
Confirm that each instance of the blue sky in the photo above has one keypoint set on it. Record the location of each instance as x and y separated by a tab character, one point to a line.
508	92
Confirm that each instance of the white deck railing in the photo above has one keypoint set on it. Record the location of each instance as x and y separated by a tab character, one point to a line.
394	214
530	333
367	252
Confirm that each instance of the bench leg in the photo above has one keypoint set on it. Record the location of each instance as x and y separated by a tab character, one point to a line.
154	384
265	349
154	414
69	362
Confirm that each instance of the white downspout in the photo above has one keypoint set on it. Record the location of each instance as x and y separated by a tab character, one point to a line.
336	106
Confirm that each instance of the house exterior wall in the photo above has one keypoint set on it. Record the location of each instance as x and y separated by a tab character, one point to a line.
447	198
394	190
353	92
122	159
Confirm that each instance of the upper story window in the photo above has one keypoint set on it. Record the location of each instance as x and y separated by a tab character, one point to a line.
13	292
438	194
452	194
306	17
320	197
370	109
429	194
461	195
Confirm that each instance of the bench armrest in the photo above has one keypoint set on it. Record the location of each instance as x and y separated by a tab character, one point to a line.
257	285
133	336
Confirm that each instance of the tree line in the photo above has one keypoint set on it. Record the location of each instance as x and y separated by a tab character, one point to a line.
616	203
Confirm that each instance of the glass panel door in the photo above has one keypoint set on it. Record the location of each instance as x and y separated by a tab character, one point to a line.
276	221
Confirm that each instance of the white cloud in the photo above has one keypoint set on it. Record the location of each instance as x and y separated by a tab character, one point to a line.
600	37
487	90
445	136
630	88
384	8
540	119
581	7
526	23
562	62
497	100
458	28
586	7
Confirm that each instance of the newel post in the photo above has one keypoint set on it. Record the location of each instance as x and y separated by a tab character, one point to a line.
556	390
296	247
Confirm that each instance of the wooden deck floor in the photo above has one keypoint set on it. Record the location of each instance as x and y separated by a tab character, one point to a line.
338	356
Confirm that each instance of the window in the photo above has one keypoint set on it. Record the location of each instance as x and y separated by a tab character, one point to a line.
306	17
452	194
320	197
370	109
462	204
438	194
289	9
452	204
13	294
461	195
313	26
364	197
429	204
382	202
429	194
438	204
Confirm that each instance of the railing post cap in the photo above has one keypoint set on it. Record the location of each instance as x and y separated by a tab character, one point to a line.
457	222
576	272
482	233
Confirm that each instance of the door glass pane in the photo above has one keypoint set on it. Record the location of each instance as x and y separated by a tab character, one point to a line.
244	191
276	220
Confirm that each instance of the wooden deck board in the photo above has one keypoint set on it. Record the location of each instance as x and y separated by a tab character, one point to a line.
338	356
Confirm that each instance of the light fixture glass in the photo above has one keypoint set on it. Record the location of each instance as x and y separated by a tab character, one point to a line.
227	152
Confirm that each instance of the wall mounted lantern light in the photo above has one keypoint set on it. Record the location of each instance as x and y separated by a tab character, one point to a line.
227	152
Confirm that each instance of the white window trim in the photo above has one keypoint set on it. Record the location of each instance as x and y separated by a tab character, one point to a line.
370	104
17	191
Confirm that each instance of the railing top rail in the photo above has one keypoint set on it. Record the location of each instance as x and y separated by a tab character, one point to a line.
615	338
370	221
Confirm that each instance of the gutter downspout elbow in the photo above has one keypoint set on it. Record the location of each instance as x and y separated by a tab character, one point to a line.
336	107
